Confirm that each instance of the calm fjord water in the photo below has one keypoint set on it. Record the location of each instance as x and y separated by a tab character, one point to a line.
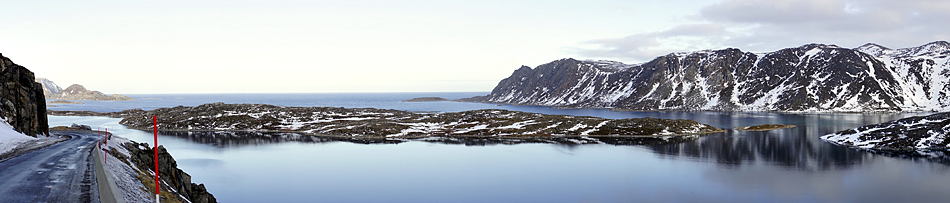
789	165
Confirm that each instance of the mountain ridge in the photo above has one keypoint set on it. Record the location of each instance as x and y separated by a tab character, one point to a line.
807	78
78	92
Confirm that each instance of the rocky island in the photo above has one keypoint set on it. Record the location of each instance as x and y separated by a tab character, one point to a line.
426	99
63	102
913	133
764	127
384	123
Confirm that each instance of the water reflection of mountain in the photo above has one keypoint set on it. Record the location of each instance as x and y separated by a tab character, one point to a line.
241	138
791	148
937	156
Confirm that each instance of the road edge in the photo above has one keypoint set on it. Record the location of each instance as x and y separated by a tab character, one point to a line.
108	191
21	150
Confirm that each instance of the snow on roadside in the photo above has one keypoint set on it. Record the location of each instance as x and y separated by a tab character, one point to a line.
9	138
125	177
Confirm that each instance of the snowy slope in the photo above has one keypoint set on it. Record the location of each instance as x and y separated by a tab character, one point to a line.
923	72
810	78
49	87
10	138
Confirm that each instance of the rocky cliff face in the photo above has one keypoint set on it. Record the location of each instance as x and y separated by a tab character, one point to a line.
22	105
143	157
78	92
811	77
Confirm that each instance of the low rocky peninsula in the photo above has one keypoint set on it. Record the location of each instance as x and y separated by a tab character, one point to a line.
385	123
764	127
63	102
913	133
426	99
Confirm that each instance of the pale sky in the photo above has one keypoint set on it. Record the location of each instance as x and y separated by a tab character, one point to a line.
283	46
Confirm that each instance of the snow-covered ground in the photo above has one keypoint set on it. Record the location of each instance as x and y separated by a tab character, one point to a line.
125	177
9	138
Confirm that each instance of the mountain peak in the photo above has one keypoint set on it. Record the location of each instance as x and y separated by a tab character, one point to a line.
936	46
816	45
932	48
872	49
939	43
75	88
872	46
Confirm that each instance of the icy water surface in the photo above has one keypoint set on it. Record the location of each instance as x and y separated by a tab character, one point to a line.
788	165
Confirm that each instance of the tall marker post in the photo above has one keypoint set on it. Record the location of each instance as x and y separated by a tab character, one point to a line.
105	154
155	130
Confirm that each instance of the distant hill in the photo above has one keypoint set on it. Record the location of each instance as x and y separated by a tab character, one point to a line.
425	99
78	92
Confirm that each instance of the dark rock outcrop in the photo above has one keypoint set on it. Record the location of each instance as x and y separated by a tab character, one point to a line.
78	92
143	157
813	77
914	133
79	127
22	102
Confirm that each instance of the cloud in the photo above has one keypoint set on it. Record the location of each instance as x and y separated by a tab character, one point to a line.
769	25
644	46
779	11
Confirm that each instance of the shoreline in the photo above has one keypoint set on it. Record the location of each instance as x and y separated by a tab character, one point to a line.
418	137
389	123
718	111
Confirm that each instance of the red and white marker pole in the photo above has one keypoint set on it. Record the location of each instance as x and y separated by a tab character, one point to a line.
155	130
105	154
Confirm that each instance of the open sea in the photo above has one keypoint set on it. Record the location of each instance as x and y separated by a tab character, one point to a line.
787	165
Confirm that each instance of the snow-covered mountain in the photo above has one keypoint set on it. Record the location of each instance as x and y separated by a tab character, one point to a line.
49	87
812	78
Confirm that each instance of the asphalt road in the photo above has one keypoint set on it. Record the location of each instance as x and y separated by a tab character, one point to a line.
62	172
